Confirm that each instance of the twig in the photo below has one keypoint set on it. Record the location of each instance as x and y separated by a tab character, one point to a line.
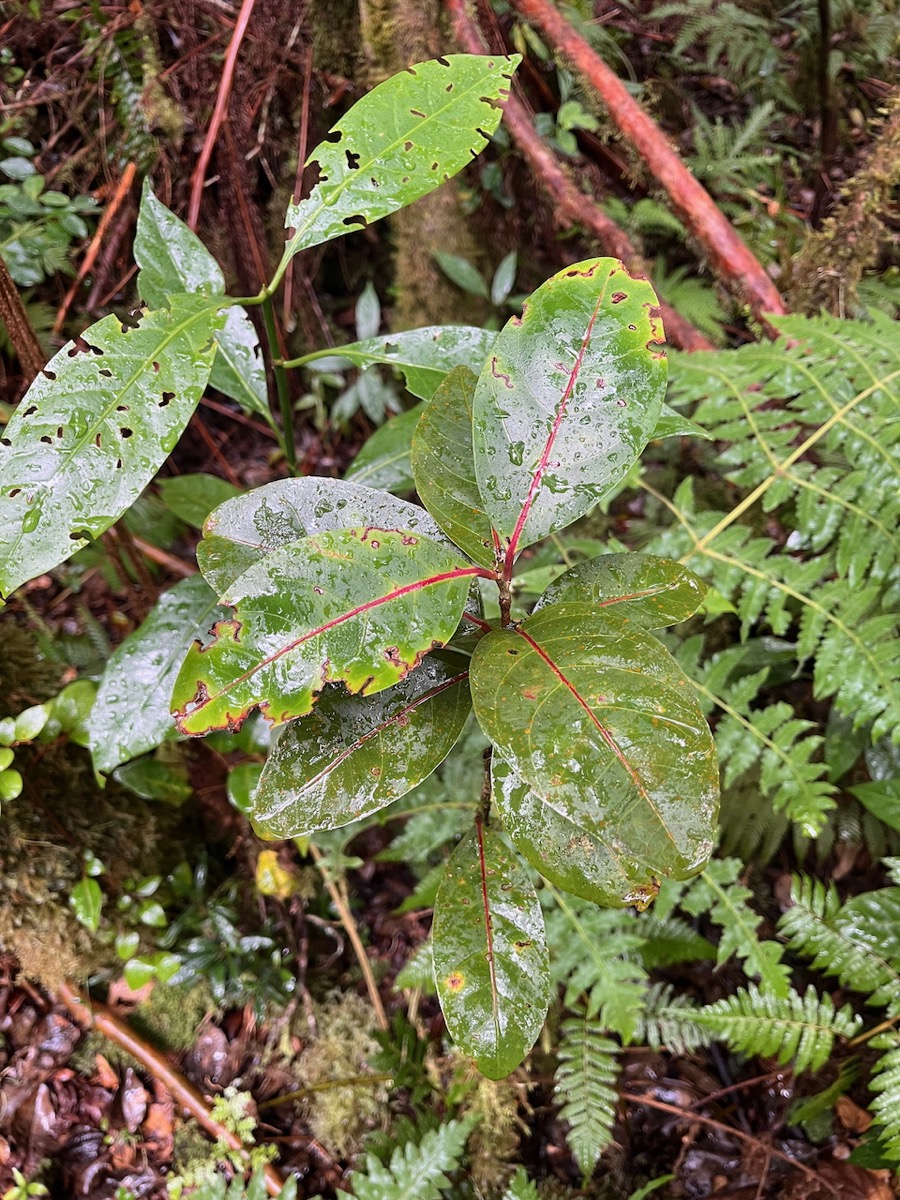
198	178
97	241
98	1016
21	331
343	910
324	1085
728	255
163	559
570	205
691	1117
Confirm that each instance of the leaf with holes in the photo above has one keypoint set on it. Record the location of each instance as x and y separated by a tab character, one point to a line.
444	468
568	398
173	259
564	852
355	606
353	756
422	356
242	531
491	964
650	591
597	719
401	141
94	428
131	712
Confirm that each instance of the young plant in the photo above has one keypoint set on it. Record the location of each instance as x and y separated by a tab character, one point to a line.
357	620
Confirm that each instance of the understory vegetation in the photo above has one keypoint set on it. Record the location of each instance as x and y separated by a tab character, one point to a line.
449	742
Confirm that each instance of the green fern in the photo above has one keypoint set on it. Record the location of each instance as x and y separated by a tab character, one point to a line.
415	1172
885	1083
727	154
791	1027
520	1187
218	1189
585	1085
667	1021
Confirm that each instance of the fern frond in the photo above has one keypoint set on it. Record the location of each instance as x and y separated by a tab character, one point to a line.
667	1021
585	1085
885	1083
415	1172
717	892
791	1027
520	1187
727	154
859	942
596	956
217	1189
693	297
669	940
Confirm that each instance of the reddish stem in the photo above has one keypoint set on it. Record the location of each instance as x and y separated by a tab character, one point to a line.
571	206
198	178
728	255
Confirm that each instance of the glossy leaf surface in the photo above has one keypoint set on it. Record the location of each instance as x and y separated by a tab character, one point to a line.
562	851
357	606
173	259
401	141
384	461
491	964
423	356
131	713
567	399
444	468
355	755
244	530
94	428
650	591
672	423
597	719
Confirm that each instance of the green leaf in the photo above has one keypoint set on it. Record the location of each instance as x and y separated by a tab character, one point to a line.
241	785
675	424
173	259
444	468
131	712
87	903
401	141
11	784
193	497
422	356
567	400
74	468
71	711
415	1172
563	851
358	606
882	799
152	779
491	964
504	278
30	722
384	461
461	272
596	717
643	588
244	530
355	755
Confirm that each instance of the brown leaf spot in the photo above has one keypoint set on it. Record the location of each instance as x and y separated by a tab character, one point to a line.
454	981
618	297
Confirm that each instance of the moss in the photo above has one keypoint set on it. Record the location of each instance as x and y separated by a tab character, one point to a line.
341	1117
494	1143
171	1015
827	271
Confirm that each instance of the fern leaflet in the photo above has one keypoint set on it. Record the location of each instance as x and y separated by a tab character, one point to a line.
585	1083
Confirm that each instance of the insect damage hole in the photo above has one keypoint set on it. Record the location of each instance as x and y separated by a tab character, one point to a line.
352	160
164	400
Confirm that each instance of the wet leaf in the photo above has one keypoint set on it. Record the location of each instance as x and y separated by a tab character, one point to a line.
882	799
491	964
423	356
650	591
563	852
353	756
193	497
358	606
675	424
131	713
73	468
444	468
384	461
173	259
567	399
244	530
87	903
594	715
152	779
401	141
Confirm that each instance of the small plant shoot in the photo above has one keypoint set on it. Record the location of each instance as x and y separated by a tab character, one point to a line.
368	628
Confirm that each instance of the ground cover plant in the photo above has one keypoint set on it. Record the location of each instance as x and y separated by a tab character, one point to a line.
454	725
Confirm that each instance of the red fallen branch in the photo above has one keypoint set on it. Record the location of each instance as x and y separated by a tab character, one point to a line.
104	1020
571	206
728	255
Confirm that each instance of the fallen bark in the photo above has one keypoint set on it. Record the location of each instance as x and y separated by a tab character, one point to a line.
571	206
728	255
